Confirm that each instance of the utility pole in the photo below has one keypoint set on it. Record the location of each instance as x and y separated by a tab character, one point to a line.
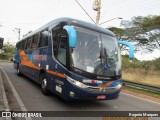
97	7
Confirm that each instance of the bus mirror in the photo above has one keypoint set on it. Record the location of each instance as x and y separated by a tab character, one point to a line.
131	48
72	35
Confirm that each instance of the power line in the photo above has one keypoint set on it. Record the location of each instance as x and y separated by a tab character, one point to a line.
85	11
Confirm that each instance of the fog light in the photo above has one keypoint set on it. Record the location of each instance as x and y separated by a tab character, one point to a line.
71	94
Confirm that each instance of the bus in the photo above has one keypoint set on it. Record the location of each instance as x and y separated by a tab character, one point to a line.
74	59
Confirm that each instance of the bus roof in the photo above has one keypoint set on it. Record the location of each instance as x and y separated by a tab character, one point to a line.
71	21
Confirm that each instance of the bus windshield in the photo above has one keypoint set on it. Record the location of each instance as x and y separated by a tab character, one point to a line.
96	53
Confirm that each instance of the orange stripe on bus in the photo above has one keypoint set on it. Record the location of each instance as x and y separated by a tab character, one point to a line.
106	85
56	73
25	61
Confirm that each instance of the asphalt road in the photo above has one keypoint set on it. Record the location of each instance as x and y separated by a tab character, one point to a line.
33	99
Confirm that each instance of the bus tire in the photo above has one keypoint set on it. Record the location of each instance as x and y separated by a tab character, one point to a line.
44	85
18	71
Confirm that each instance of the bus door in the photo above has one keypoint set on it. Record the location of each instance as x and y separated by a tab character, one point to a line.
60	48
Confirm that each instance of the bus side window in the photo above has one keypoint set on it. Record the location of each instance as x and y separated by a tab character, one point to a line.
59	44
62	48
23	44
35	41
55	43
20	45
43	38
28	43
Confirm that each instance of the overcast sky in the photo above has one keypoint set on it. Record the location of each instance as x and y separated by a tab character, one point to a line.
32	14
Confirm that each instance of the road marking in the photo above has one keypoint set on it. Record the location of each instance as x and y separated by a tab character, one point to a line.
141	98
23	108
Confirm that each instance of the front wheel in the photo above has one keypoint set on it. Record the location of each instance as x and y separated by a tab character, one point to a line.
44	85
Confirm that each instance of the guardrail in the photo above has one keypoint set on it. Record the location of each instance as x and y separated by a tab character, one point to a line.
141	86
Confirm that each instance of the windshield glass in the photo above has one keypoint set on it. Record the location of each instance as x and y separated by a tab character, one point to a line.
96	53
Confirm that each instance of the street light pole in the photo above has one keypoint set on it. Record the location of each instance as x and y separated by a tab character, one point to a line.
110	20
19	32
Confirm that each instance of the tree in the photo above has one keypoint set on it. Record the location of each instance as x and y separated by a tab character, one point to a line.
118	31
143	31
8	50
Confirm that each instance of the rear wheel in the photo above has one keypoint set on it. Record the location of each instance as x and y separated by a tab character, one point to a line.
18	71
44	85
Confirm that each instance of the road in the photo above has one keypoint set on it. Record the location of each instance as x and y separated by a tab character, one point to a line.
33	99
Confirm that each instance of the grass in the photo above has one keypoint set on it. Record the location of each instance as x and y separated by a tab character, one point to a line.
144	76
142	91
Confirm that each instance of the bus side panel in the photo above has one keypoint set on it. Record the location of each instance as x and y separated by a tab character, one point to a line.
27	70
26	66
36	61
57	80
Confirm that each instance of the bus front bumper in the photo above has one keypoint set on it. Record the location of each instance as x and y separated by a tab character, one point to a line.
91	93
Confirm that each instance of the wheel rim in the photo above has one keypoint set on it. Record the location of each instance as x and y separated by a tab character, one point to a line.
18	70
44	84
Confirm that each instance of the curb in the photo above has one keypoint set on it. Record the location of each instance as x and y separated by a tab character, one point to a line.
4	97
22	107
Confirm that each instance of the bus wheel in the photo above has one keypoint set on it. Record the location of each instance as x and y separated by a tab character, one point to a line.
18	71
44	85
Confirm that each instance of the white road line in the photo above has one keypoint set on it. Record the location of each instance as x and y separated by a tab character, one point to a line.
141	98
23	108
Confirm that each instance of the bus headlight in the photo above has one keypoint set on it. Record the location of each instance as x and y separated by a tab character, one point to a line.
118	86
75	82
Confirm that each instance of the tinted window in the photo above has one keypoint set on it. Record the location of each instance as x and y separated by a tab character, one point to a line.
23	44
43	38
60	45
35	41
28	44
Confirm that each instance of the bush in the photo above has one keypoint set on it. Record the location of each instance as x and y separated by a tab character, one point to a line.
152	65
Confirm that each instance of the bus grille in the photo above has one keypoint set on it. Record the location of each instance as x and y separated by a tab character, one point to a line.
99	90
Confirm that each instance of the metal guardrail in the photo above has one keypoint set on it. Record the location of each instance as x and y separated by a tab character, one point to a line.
141	86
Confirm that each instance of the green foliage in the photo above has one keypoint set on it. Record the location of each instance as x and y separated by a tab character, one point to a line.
147	23
117	31
8	50
145	31
148	65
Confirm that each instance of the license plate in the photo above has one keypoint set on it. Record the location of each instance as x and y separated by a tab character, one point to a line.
101	97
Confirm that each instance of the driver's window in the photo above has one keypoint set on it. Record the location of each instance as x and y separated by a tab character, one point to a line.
62	49
60	45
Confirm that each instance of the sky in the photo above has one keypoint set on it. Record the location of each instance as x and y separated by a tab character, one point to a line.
29	15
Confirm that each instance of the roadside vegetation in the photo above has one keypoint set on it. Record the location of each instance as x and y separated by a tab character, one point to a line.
144	33
7	51
147	72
